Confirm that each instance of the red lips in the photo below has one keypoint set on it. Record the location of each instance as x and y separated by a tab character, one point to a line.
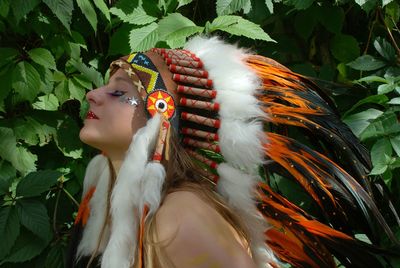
91	115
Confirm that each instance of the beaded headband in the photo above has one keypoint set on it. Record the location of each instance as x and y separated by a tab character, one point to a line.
198	118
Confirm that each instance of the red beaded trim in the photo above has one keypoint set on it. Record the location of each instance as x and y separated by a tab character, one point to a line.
185	63
202	144
203	159
209	106
200	133
201	120
203	82
189	71
208	93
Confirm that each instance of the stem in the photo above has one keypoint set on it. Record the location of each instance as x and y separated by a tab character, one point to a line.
389	33
370	32
71	197
55	214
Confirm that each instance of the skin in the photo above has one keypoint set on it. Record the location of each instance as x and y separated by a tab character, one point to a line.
198	237
110	133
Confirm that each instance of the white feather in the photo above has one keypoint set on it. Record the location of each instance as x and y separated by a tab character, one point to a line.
238	189
126	198
97	175
241	134
154	175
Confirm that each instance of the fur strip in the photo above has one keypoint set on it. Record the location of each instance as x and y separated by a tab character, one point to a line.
154	175
97	175
94	170
236	85
126	198
238	189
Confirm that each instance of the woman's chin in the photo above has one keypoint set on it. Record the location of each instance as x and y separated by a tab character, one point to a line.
89	138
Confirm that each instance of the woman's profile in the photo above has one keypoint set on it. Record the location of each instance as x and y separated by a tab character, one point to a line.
186	148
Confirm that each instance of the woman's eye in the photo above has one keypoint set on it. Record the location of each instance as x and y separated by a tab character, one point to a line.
117	93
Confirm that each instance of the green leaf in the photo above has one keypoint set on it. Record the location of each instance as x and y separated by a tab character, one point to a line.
101	5
7	55
386	88
384	125
76	90
395	141
305	21
331	17
386	2
47	102
26	81
20	158
236	25
345	47
366	63
9	229
379	150
33	215
33	132
21	8
7	172
226	7
378	99
299	4
143	38
89	12
118	42
176	27
385	49
43	57
372	78
182	3
6	85
270	6
137	17
89	73
25	248
367	5
378	170
37	182
62	92
66	139
4	8
395	101
55	258
360	121
62	9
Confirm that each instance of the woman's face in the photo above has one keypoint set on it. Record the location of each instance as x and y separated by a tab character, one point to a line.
112	120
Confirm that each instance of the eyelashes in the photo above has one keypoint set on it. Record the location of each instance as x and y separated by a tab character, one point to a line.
117	93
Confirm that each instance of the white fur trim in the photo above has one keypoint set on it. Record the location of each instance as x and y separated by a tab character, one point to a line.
238	189
126	198
241	134
97	175
93	172
154	176
236	84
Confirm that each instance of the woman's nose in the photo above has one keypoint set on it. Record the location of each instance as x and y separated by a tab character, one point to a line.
94	96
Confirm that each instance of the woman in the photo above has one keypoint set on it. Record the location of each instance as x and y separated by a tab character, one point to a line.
148	204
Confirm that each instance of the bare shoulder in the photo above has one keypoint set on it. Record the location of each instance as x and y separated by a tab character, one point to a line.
196	235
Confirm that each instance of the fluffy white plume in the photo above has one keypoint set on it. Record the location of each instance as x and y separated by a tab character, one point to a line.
238	189
154	175
93	172
241	134
97	175
126	198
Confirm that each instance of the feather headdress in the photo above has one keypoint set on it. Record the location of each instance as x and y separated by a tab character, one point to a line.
227	102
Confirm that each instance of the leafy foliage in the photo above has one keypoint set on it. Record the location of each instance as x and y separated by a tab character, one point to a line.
54	51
